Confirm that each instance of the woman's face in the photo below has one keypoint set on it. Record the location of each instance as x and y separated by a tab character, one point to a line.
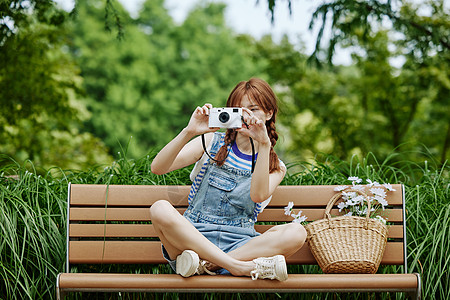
256	109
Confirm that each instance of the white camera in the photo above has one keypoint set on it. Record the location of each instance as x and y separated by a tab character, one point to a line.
225	117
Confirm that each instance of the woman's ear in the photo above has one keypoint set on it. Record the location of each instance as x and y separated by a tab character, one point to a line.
269	115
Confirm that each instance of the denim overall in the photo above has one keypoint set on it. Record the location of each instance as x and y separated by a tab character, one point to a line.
222	209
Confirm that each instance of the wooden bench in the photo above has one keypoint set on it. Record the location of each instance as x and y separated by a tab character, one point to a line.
111	225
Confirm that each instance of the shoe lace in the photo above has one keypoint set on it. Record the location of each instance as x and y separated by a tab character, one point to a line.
264	269
202	269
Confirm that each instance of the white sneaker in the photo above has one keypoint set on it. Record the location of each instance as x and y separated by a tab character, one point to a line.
187	263
270	268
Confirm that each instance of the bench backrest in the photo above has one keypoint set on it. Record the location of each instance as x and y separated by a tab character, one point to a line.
111	223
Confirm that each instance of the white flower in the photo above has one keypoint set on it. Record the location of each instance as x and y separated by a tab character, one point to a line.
371	184
350	203
381	219
358	199
355	179
358	187
288	208
296	216
354	202
382	201
349	195
300	220
389	187
288	211
340	188
341	206
378	192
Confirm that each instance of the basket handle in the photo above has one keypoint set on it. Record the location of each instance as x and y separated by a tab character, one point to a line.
336	197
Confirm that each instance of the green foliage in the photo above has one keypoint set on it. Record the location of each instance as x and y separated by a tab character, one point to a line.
39	112
15	14
428	222
370	106
147	84
143	86
32	233
342	18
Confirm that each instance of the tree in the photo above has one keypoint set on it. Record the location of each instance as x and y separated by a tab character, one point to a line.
424	33
391	108
147	84
39	113
27	76
370	106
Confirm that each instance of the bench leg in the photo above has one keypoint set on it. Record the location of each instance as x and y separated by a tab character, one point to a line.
414	296
59	294
417	295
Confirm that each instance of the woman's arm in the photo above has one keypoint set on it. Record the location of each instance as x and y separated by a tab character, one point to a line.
174	155
182	151
264	183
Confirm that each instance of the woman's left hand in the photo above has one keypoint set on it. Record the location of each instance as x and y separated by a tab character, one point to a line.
256	127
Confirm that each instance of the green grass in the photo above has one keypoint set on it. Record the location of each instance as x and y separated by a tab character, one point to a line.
33	218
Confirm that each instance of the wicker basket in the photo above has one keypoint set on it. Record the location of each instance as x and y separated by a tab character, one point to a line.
347	244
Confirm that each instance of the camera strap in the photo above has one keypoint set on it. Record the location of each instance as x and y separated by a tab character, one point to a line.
206	151
253	154
253	148
251	143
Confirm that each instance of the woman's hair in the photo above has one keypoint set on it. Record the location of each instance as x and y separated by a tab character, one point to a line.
259	92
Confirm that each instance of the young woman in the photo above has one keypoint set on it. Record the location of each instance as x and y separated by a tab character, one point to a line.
216	233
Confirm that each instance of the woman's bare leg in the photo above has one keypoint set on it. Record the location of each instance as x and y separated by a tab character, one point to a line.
283	239
178	234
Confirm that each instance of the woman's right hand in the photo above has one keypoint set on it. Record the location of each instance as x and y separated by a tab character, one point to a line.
198	124
183	151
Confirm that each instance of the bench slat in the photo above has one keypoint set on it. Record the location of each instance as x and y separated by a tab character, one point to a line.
119	195
146	195
206	283
142	252
270	214
312	195
147	231
143	214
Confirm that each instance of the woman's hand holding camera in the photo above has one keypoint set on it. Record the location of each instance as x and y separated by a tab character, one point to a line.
198	124
256	128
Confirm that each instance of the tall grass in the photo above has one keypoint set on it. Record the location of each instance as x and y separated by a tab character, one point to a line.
31	233
428	230
33	218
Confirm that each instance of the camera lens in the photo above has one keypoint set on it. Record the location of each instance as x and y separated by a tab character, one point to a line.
224	117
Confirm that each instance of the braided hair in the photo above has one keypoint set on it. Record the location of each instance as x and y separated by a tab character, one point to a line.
258	91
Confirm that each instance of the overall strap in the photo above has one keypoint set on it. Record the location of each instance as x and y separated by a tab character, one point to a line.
228	151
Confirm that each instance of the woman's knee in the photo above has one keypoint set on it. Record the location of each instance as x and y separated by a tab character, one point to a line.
300	233
160	211
294	236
